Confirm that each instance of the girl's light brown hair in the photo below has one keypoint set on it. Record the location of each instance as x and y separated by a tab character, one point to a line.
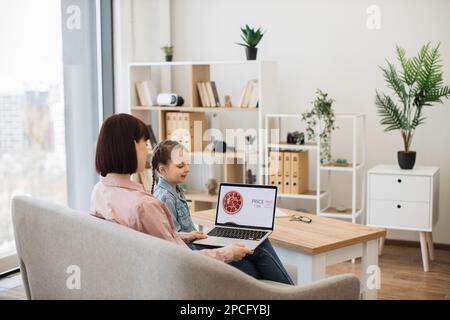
162	154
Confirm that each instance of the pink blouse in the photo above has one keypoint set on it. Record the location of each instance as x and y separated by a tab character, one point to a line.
125	202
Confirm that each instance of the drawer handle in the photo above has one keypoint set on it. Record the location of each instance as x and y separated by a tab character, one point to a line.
399	180
399	206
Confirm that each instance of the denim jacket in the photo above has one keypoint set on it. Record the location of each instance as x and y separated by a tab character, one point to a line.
176	203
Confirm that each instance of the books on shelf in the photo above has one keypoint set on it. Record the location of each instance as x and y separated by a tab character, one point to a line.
146	92
212	100
289	171
249	95
209	96
204	101
216	93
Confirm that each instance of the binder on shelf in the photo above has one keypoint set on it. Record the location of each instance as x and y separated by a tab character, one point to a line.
287	171
273	180
274	164
276	169
146	93
186	130
280	173
169	125
299	172
180	134
180	127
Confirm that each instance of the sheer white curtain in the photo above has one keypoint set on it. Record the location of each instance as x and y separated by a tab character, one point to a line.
50	106
32	129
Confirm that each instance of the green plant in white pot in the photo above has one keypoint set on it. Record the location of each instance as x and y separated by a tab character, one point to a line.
324	113
168	52
418	84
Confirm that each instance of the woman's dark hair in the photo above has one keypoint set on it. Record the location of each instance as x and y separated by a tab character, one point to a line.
162	154
116	151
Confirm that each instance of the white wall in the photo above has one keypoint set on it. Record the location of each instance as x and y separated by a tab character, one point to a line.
326	44
137	38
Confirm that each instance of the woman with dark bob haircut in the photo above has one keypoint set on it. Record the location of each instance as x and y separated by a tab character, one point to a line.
121	151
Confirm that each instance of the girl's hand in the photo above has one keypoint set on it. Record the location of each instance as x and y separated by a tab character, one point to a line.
194	235
239	251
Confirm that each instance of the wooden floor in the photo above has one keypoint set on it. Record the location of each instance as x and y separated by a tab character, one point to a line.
402	276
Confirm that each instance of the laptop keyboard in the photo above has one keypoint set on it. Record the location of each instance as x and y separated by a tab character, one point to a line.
237	233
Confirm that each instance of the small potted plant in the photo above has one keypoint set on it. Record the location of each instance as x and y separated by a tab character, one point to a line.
251	39
418	84
168	51
324	113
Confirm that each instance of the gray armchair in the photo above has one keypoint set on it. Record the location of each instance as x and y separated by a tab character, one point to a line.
67	254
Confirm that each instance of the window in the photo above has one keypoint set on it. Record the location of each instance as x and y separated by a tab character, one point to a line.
32	126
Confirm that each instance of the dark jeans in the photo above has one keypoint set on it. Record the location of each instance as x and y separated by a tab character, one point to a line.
262	264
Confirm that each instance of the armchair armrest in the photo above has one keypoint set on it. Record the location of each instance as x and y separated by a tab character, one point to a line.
339	287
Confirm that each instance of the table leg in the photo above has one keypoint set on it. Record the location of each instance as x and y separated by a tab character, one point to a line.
430	245
381	245
423	247
309	267
370	272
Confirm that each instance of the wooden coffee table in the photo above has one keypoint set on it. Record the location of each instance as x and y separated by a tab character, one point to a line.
323	242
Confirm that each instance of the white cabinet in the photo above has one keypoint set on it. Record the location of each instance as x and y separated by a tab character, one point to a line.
400	187
405	200
400	214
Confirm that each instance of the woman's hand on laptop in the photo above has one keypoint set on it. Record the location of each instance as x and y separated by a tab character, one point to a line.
194	235
239	251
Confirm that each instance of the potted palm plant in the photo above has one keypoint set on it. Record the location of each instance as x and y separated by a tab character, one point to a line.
418	84
251	39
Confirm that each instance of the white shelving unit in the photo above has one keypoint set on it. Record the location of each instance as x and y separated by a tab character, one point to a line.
181	77
317	195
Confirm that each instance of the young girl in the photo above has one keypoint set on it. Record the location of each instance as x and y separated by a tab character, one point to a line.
172	173
170	168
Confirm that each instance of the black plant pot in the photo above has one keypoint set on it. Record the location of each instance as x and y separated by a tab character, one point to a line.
406	160
168	58
251	53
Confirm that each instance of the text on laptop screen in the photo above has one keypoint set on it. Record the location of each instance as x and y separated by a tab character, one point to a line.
246	206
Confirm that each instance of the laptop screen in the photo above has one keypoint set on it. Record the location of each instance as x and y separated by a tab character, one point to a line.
250	206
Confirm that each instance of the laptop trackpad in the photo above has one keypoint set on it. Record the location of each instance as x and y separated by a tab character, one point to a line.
222	242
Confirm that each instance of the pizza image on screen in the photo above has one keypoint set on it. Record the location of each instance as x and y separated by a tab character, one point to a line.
232	202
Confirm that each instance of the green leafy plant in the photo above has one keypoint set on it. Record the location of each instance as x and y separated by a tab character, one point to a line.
251	36
324	113
168	50
418	84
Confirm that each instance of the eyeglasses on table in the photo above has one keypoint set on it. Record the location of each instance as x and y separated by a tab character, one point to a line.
300	219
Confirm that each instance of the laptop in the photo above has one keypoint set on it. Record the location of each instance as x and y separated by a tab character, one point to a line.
244	214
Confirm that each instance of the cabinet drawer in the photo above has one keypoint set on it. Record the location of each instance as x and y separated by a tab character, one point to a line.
399	187
415	215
